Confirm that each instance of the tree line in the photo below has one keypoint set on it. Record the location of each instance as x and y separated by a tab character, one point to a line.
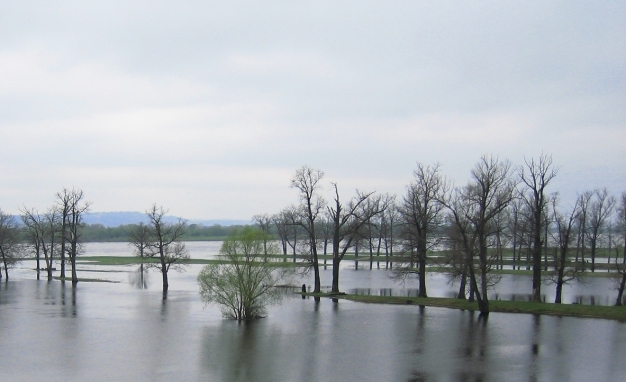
57	236
193	232
505	215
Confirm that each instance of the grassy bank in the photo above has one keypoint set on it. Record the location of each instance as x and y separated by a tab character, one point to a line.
569	310
133	260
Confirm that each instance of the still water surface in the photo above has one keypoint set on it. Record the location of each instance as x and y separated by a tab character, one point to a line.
115	331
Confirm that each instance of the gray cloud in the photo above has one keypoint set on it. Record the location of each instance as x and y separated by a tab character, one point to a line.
209	108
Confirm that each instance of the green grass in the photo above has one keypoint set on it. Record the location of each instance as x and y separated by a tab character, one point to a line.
131	260
569	310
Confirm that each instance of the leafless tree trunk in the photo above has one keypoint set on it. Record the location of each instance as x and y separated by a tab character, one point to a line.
563	236
621	223
63	206
35	231
306	180
389	220
166	246
421	211
347	221
474	207
600	210
325	233
584	200
9	242
265	222
536	175
44	233
77	207
281	229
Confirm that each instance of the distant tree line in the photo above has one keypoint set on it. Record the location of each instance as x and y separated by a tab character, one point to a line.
505	216
55	235
193	232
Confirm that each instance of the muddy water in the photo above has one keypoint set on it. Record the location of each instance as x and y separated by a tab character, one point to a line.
116	331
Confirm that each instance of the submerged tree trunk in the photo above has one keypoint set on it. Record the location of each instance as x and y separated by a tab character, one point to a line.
422	270
462	288
620	291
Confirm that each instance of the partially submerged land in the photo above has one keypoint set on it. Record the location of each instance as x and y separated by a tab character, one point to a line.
538	308
543	308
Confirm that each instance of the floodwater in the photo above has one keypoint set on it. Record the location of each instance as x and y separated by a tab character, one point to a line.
116	331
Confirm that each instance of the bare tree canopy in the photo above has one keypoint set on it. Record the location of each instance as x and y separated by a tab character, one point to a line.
166	246
536	175
422	213
265	223
563	236
600	210
474	208
347	220
71	206
9	242
307	181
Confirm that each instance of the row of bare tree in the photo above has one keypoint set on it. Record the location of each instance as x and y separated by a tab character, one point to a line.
55	237
503	215
56	233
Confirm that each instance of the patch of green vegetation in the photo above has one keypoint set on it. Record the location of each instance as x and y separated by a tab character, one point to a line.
132	260
112	260
570	310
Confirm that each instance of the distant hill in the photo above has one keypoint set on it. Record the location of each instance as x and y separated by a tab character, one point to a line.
115	219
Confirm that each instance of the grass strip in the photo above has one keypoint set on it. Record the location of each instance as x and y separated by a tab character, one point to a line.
132	260
85	280
569	310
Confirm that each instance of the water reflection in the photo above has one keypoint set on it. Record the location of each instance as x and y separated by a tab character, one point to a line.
139	278
240	351
106	331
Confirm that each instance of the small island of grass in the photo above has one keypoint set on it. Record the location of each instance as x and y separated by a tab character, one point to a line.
570	310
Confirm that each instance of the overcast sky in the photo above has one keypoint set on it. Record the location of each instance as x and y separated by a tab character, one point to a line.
208	108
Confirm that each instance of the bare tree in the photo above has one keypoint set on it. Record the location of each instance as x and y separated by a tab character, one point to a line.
63	206
52	238
422	213
462	243
564	237
536	175
265	223
621	223
290	223
474	207
76	208
166	246
9	242
307	181
35	231
390	220
622	283
584	201
621	269
43	234
325	234
282	228
601	209
348	220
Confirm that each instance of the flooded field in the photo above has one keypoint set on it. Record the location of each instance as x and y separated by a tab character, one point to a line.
103	331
